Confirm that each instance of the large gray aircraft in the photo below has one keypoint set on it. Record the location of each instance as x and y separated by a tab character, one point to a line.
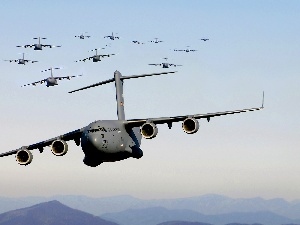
164	64
96	57
114	140
50	81
38	46
21	61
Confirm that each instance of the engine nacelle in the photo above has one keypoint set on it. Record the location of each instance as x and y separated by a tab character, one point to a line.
24	157
149	130
190	125
59	147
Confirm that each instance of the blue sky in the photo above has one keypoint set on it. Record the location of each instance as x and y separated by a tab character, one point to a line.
253	47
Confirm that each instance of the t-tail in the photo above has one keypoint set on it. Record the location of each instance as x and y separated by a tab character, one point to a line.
118	79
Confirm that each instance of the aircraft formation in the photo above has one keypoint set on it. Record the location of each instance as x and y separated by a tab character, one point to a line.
111	140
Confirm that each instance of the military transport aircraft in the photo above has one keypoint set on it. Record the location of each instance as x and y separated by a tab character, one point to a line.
82	36
155	41
164	64
114	140
185	50
138	42
112	36
50	81
21	61
96	57
38	46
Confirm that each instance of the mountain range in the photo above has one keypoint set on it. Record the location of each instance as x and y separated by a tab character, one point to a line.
50	213
215	209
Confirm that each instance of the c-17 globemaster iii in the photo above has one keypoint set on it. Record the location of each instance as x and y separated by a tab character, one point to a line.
114	140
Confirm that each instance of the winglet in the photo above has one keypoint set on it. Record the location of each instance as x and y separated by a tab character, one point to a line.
263	100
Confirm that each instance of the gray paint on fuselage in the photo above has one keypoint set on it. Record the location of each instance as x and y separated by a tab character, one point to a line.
51	81
106	138
38	47
96	58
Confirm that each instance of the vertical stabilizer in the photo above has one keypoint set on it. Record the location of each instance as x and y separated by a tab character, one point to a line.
119	95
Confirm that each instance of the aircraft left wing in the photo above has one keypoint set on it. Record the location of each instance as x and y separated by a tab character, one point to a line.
170	120
67	77
73	135
52	46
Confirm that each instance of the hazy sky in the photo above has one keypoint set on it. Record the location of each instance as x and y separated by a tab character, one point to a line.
253	47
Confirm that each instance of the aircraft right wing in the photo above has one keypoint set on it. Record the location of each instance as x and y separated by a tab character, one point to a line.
25	46
155	64
35	83
73	135
11	60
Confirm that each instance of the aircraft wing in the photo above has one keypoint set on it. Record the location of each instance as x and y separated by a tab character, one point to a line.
83	60
52	46
169	120
73	135
154	64
35	83
107	55
67	77
171	64
11	60
24	46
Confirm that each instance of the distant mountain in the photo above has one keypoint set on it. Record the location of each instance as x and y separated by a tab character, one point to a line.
50	213
206	204
183	223
157	215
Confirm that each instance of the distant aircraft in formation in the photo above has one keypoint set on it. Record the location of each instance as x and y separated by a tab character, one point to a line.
164	64
21	61
114	140
112	36
82	36
96	57
138	42
50	81
185	50
38	46
156	41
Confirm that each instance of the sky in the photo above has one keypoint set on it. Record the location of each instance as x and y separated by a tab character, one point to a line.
253	47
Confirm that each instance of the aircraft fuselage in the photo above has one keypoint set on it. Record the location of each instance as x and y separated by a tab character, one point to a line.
165	65
109	141
96	58
21	61
51	81
38	47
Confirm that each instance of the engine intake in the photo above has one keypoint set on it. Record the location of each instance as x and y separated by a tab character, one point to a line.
24	157
190	125
149	130
59	147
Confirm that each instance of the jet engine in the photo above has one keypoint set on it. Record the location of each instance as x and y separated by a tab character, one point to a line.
190	125
59	147
149	130
24	157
